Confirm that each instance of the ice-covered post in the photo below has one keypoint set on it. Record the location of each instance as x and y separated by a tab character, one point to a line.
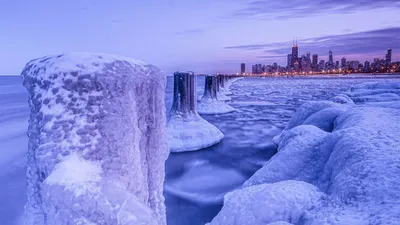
221	80
210	87
97	140
184	102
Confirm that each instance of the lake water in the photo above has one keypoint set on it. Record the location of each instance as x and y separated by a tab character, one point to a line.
195	181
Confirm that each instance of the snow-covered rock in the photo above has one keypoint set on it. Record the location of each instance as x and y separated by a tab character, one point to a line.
209	103
187	130
349	173
97	140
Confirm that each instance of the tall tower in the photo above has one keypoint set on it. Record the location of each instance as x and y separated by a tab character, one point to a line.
289	61
242	68
315	59
389	56
330	57
295	53
343	63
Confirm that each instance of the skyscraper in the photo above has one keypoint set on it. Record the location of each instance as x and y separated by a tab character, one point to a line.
315	59
367	67
254	69
289	61
330	57
309	56
343	63
337	65
242	68
295	53
389	56
315	62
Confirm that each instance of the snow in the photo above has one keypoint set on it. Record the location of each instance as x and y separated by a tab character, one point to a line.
191	133
97	140
336	164
209	106
76	175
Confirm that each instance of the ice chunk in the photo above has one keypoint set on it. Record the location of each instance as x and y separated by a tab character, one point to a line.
209	103
97	140
268	203
187	130
306	110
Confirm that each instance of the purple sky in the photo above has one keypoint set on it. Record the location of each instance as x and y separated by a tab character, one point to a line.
204	36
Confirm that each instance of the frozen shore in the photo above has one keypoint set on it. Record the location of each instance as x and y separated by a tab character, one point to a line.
338	162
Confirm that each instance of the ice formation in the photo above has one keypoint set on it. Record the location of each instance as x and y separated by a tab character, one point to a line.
97	140
209	103
222	91
187	130
336	164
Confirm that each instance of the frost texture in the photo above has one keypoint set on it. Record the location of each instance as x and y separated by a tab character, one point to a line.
97	140
337	164
209	103
187	130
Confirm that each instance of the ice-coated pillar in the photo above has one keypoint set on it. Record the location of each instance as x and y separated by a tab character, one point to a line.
184	102
222	91
210	87
221	80
97	141
187	130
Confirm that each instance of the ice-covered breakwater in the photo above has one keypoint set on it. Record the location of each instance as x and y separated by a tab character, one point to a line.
338	163
187	130
209	103
97	140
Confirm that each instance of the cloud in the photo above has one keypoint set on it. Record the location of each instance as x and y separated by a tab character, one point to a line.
190	31
368	42
299	8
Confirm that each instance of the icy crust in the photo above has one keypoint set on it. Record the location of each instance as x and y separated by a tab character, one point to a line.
351	171
210	106
191	133
97	140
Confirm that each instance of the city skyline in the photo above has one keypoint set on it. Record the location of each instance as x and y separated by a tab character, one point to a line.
296	62
207	36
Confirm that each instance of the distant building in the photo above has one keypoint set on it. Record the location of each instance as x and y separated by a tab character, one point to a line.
330	64
295	54
337	65
289	61
242	68
367	66
354	65
389	56
254	69
309	56
260	69
322	65
315	59
343	63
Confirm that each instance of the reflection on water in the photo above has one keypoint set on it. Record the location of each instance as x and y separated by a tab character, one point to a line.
197	181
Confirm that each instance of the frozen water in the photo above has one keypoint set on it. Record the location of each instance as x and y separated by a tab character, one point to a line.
97	140
347	155
264	107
